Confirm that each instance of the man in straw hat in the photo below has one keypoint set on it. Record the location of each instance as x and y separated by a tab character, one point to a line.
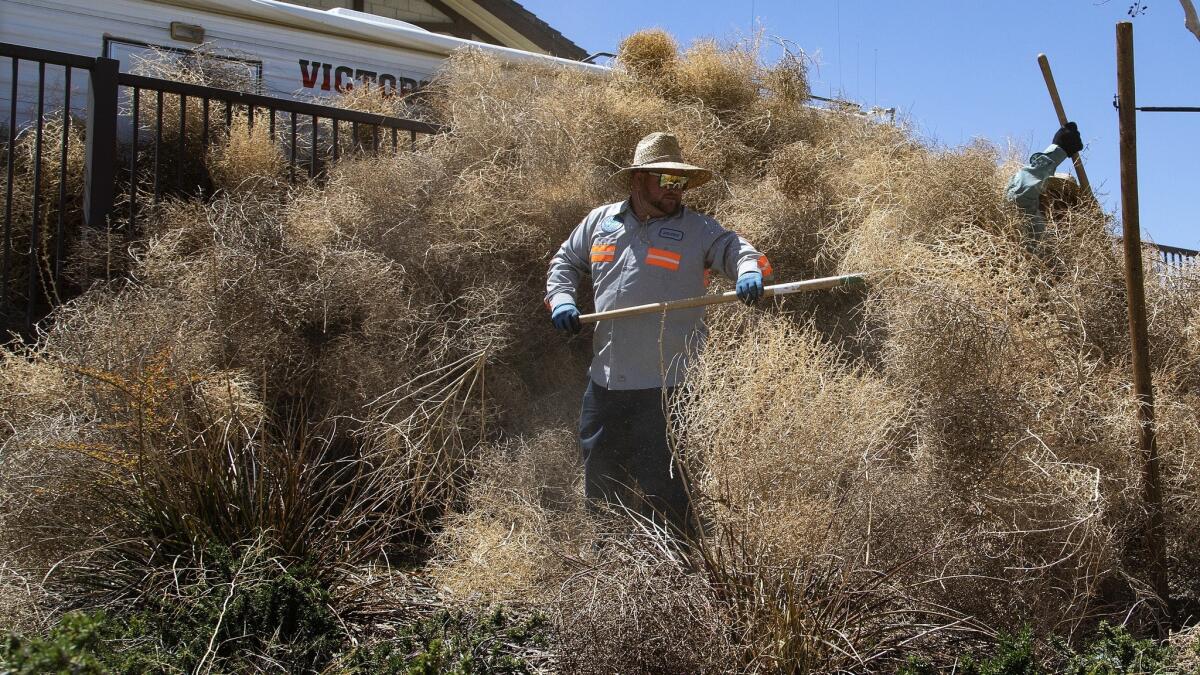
647	248
1036	189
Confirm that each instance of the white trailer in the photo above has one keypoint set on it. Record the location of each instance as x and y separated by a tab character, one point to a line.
288	50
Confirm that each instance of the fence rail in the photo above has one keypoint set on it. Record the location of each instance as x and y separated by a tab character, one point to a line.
1173	256
129	120
1172	262
35	54
277	104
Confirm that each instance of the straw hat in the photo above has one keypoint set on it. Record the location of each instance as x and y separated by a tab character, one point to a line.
1061	186
660	152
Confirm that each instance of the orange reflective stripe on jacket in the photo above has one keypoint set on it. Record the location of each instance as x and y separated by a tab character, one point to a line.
764	266
663	258
604	253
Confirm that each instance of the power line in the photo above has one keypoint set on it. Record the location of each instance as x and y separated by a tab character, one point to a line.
841	83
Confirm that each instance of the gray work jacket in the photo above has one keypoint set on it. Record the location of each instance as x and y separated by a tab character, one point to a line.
635	263
1025	187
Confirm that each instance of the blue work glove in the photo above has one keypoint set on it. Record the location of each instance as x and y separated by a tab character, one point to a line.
750	287
566	318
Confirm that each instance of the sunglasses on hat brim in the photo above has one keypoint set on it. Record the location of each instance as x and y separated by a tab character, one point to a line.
669	181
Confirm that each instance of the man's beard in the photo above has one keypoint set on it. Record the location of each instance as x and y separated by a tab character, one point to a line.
668	207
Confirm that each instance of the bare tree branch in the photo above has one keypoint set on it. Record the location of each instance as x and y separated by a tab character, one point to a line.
1190	20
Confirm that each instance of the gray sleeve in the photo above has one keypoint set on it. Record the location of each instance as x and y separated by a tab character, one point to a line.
1025	187
730	254
568	266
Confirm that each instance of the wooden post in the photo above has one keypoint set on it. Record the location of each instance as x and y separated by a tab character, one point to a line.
1154	537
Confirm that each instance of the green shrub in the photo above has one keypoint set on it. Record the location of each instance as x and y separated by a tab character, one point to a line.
235	610
457	643
85	642
917	665
1115	652
284	612
1014	656
70	647
1112	651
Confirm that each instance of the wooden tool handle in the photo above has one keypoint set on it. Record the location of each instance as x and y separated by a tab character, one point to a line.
731	296
1052	88
1062	121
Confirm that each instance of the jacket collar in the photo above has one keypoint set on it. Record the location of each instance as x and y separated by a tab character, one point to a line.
626	207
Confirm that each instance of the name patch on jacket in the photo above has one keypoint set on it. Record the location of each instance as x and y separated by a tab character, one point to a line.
610	225
668	233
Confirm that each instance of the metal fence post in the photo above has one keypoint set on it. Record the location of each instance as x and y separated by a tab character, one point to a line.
99	174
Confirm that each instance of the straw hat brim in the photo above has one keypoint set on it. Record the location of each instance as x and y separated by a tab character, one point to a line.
698	176
1061	185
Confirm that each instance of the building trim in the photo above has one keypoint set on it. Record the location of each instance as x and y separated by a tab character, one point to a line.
464	28
516	27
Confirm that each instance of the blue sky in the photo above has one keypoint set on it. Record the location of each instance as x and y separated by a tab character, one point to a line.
964	69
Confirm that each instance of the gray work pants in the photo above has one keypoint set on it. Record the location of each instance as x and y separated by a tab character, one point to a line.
626	457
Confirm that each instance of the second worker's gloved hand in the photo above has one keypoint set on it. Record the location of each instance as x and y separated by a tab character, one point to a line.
1067	138
750	287
566	318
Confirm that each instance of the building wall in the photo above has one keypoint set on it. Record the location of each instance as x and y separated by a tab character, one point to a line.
404	10
322	4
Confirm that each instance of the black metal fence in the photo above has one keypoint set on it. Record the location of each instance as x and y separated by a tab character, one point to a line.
138	147
23	268
1172	261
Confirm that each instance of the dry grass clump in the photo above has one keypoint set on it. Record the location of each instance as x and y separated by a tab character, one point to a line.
1021	423
723	79
374	99
804	464
784	477
786	82
206	65
22	601
650	56
55	180
638	609
249	159
522	520
175	140
491	205
172	466
286	309
801	171
41	408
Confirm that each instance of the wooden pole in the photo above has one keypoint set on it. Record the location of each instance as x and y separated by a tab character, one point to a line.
1155	534
704	300
1062	122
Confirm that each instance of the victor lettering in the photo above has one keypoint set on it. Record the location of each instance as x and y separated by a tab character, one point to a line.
346	78
367	77
307	76
338	74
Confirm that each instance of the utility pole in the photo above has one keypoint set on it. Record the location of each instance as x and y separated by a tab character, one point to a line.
1154	537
